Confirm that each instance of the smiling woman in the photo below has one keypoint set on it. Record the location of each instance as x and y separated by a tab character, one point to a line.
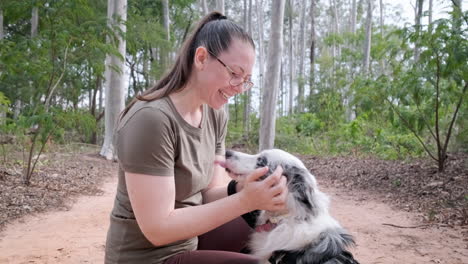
172	204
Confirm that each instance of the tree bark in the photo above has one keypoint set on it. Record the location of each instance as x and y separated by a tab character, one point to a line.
368	40
430	12
275	49
312	46
261	52
291	57
353	17
301	81
34	21
204	7
248	96
166	22
1	24
114	79
220	6
419	8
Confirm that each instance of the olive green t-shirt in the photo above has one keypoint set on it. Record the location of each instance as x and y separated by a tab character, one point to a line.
153	139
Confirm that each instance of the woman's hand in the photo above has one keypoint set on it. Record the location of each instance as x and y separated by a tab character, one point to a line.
268	194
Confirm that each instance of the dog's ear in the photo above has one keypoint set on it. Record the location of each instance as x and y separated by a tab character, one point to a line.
299	187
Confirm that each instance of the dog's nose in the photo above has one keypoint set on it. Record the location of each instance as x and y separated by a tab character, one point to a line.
229	154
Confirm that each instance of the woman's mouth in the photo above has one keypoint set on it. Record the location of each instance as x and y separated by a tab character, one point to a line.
224	95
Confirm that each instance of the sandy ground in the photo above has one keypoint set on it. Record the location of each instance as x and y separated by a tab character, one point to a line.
78	235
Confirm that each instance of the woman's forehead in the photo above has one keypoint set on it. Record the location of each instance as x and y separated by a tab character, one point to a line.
240	54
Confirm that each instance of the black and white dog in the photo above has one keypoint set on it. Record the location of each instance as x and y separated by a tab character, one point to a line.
306	234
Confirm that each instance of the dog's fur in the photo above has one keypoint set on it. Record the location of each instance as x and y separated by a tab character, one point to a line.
307	233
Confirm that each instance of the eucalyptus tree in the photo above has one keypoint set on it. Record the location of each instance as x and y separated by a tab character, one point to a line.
117	15
1	23
417	23
275	50
260	52
301	53
291	62
313	42
248	94
368	40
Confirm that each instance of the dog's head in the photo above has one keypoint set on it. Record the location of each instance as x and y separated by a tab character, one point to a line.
301	183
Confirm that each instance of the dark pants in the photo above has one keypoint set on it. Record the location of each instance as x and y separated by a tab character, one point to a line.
220	246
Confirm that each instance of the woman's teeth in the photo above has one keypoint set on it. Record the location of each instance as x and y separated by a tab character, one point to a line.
224	95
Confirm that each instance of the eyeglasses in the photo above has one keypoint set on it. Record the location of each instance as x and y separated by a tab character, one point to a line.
236	79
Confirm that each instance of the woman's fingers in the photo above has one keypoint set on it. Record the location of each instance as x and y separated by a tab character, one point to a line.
274	177
256	174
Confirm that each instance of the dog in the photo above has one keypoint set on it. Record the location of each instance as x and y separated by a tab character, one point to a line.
307	233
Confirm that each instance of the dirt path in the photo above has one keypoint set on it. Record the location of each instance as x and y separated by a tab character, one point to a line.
78	235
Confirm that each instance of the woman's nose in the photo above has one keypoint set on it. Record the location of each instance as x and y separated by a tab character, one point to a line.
237	88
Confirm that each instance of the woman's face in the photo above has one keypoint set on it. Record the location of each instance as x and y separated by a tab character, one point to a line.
216	78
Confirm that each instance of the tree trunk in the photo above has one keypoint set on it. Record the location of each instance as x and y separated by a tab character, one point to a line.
275	49
114	79
300	83
312	46
1	24
261	53
166	21
381	18
430	12
382	62
248	96
419	9
34	21
353	17
291	57
2	112
220	6
368	40
204	7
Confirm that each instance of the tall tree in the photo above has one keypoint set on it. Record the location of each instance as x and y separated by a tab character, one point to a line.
301	81
204	7
220	6
368	40
1	24
34	21
430	12
114	94
275	49
313	40
418	16
261	53
166	21
291	55
353	17
248	94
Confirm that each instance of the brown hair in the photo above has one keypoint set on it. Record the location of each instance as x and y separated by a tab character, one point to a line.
214	32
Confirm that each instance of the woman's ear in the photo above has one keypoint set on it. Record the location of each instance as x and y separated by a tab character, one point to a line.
201	58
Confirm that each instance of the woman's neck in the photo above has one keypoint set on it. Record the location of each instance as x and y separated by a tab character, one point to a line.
189	105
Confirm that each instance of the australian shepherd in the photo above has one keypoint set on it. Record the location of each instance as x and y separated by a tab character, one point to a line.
307	233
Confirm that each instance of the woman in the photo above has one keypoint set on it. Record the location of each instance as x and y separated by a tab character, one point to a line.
172	204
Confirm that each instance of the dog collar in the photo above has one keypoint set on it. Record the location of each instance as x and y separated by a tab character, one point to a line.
267	227
271	223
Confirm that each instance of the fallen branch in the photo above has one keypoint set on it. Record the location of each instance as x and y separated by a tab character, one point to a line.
398	226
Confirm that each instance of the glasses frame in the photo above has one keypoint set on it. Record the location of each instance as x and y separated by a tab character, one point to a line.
246	85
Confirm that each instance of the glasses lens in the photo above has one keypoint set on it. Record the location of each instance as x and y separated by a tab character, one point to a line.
247	85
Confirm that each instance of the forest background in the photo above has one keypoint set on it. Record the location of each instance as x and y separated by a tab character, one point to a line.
335	77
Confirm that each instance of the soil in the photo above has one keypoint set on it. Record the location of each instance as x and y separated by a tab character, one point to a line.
398	212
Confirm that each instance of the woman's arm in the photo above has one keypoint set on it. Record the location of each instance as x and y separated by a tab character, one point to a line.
217	188
153	197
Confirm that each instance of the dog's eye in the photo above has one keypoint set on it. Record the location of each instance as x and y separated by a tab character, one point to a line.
261	162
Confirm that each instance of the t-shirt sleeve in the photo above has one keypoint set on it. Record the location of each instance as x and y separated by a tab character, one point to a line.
145	144
221	135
